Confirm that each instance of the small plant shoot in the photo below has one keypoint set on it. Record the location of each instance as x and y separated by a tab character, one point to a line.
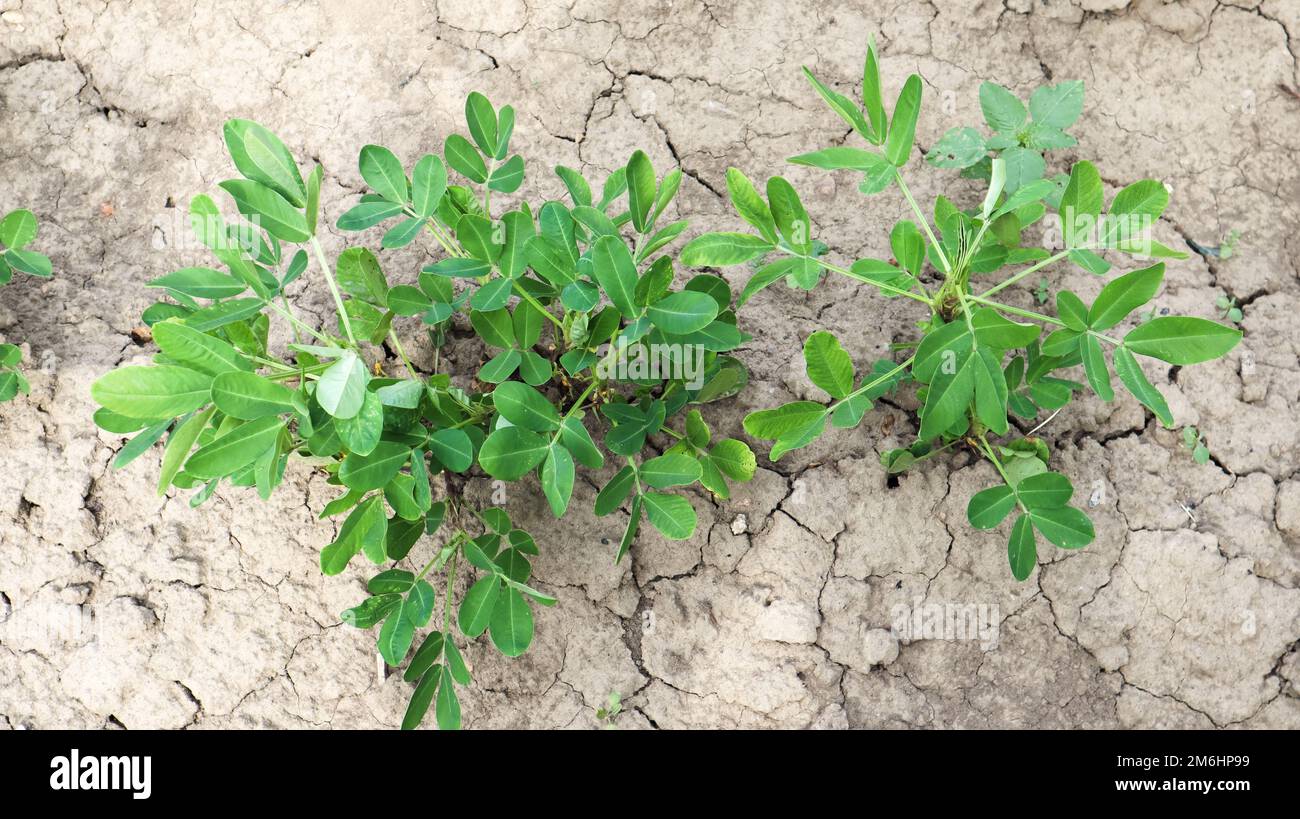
983	368
17	231
589	352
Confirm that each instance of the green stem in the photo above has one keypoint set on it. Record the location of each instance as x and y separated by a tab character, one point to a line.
406	362
293	320
536	305
875	382
889	288
1030	314
1032	268
925	223
997	464
334	289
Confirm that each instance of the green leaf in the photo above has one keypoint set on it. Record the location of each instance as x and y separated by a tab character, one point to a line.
395	637
873	98
958	148
428	184
641	190
633	525
376	469
1064	526
989	507
456	663
1080	204
361	433
1024	166
1146	197
367	215
994	330
511	452
448	707
268	210
794	417
616	491
1072	311
789	215
261	156
234	450
512	623
672	515
1048	490
841	157
841	105
464	159
507	177
341	389
1181	340
670	470
902	131
749	205
200	283
616	273
424	692
392	581
162	391
248	397
452	448
723	249
557	479
829	366
1003	110
371	611
734	459
683	312
524	406
140	444
482	122
948	397
17	229
1094	367
1123	295
199	351
179	444
500	367
1022	551
383	173
1057	106
405	300
477	605
1131	375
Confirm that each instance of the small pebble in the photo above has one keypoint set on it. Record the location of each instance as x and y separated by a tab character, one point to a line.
740	525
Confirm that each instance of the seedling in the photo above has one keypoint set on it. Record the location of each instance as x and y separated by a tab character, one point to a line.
576	307
1195	441
1228	309
17	230
608	712
977	369
1043	292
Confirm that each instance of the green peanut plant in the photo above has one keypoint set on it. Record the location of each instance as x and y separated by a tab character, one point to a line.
978	363
575	304
17	230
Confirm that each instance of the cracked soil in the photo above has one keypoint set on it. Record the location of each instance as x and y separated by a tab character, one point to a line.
120	608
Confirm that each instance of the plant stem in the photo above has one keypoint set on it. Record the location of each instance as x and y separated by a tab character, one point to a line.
334	289
889	288
925	223
406	362
1032	268
997	464
875	382
1030	314
536	305
293	321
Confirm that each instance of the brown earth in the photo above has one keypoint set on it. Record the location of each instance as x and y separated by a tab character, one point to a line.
121	608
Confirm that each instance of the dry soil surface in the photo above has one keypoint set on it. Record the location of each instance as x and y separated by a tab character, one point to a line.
120	608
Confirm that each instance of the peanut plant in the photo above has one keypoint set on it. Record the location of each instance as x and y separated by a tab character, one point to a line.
575	303
17	230
977	370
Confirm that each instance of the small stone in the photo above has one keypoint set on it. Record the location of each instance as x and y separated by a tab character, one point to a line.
740	524
141	335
